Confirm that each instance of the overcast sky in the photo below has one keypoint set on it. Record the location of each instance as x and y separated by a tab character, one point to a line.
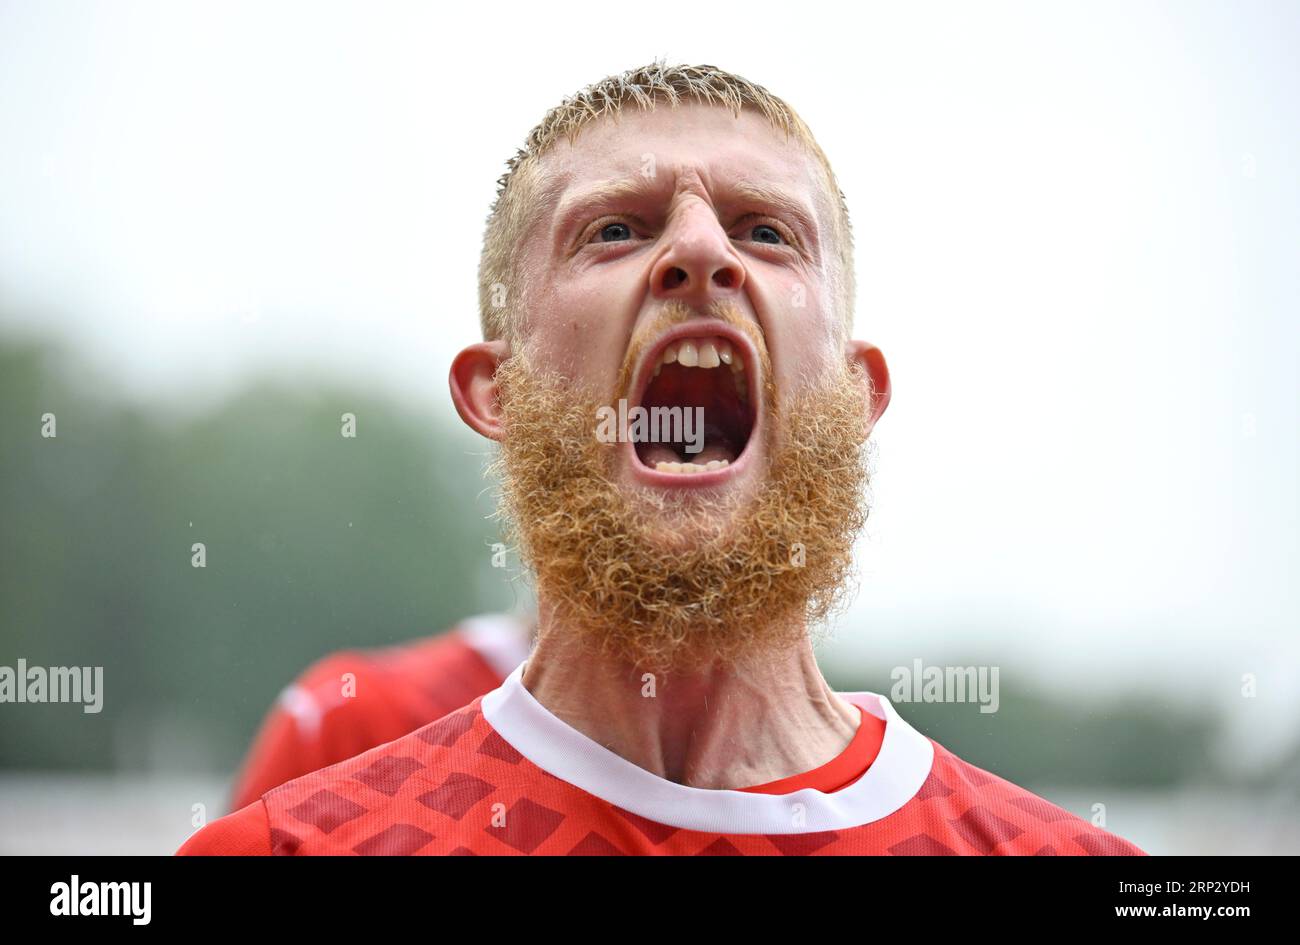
1078	236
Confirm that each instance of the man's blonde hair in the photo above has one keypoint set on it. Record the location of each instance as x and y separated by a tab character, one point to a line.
521	189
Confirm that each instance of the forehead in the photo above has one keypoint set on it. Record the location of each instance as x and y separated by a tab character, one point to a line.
702	143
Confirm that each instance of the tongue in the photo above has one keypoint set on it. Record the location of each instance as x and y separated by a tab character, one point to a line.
713	449
717	445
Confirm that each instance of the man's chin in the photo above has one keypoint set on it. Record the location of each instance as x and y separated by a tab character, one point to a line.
683	531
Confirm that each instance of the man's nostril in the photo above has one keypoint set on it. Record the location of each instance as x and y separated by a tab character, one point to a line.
674	277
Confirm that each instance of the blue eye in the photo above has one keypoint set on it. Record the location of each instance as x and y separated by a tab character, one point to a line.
615	228
616	231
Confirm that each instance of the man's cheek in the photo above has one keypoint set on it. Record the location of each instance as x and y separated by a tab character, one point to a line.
554	356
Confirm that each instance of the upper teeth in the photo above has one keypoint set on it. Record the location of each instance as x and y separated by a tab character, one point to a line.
700	352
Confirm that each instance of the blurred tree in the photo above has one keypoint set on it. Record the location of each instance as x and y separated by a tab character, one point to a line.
314	541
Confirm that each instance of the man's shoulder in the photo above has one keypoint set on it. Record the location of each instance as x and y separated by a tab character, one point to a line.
352	700
989	814
442	739
378	793
384	800
245	832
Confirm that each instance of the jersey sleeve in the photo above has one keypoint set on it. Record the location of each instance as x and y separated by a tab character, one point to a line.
246	832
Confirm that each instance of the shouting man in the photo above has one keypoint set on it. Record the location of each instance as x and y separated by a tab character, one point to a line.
666	293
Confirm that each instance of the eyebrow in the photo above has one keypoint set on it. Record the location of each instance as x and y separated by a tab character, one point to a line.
625	189
603	194
747	191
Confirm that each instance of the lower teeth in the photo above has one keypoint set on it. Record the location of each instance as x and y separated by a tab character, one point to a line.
692	467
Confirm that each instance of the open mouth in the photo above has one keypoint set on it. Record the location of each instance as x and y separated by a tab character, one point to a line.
698	403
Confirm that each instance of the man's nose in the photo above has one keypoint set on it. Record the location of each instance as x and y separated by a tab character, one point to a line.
699	264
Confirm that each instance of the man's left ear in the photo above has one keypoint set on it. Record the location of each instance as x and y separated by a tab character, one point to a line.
872	360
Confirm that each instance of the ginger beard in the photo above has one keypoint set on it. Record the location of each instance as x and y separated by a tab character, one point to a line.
683	579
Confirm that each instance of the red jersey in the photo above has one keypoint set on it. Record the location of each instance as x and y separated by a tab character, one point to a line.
351	701
503	775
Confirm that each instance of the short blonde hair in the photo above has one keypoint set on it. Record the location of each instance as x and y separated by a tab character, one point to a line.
521	189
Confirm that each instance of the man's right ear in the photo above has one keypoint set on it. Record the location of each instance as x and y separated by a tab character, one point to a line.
474	386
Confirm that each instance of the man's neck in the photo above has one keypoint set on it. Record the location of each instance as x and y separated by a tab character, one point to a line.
710	728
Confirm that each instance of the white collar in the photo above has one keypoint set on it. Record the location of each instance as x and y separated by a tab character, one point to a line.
893	779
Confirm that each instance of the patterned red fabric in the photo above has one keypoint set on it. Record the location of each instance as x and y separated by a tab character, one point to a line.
397	689
457	787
